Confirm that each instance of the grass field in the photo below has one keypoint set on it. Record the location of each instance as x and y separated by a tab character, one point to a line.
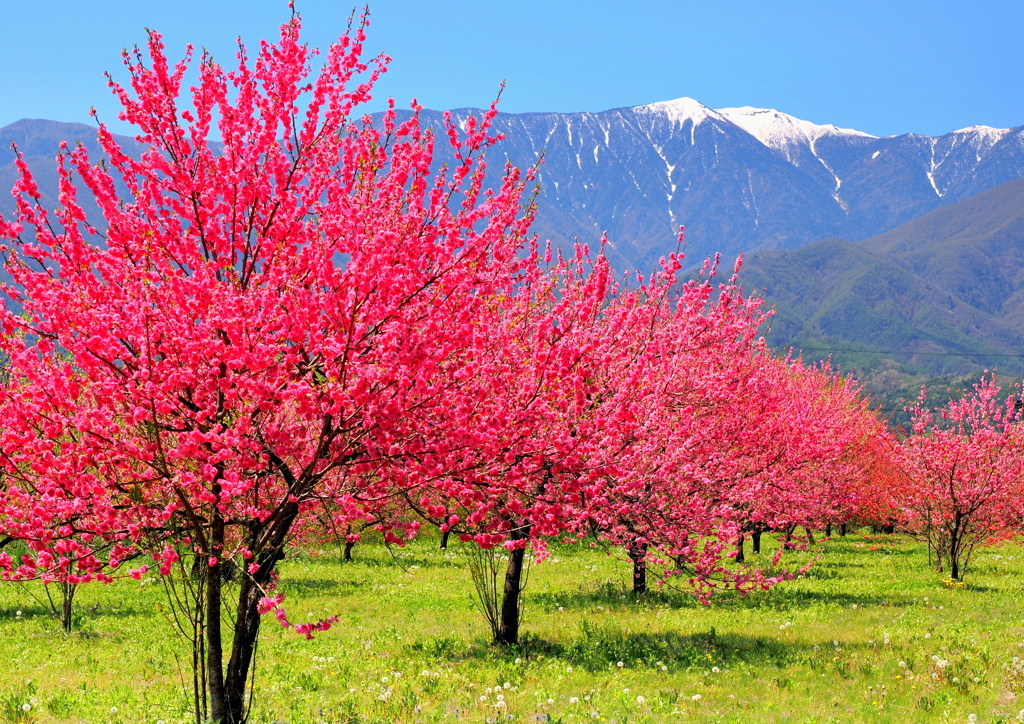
868	635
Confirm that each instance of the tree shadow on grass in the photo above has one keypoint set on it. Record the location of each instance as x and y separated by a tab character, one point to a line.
885	551
791	597
314	586
611	597
602	647
404	559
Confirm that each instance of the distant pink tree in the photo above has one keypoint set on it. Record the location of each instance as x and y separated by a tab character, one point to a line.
728	439
961	473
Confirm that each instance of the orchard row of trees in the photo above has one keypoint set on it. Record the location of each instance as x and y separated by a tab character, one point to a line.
292	324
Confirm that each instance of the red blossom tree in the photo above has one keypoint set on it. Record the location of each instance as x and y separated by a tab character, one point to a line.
285	302
526	451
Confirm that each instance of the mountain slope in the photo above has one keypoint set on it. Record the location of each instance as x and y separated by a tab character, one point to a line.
942	294
974	249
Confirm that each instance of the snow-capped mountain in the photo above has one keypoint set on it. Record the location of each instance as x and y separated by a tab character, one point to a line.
740	179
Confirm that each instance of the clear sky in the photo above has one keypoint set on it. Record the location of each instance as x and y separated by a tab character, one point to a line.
880	66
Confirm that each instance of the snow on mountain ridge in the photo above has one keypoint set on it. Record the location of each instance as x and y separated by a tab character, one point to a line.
987	136
681	110
780	131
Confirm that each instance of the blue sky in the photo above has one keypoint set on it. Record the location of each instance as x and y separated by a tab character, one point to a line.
884	67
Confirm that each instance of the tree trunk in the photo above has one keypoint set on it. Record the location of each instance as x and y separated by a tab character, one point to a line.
787	541
740	557
810	536
508	625
638	554
956	550
247	629
843	530
828	530
67	592
444	539
215	648
755	540
348	550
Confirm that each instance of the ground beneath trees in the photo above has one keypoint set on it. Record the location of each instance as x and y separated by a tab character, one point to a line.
870	634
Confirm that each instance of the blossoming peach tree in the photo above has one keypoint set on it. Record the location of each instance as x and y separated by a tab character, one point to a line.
961	473
283	302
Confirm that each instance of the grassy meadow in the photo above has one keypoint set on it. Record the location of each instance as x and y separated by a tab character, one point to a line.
869	634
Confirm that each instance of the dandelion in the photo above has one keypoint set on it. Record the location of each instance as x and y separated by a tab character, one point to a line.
927	635
574	700
551	701
972	717
483	697
625	691
491	720
977	680
26	707
506	685
113	710
640	700
519	661
902	664
715	669
620	664
664	668
695	697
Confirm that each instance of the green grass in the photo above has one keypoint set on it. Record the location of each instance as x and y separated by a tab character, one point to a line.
410	646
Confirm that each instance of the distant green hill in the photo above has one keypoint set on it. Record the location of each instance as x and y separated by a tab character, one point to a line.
939	299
